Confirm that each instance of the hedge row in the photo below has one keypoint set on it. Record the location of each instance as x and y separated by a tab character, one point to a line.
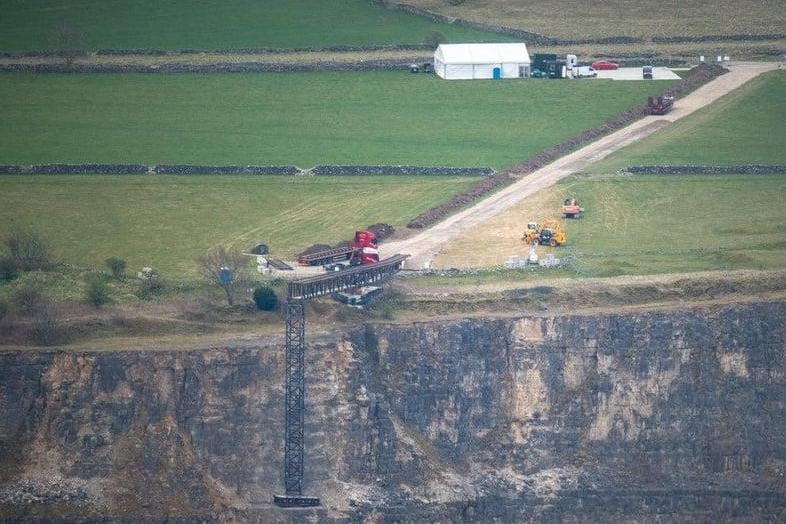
189	169
219	67
750	169
75	169
400	170
224	170
44	53
264	50
693	79
716	38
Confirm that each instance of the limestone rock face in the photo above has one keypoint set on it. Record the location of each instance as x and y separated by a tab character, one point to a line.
627	417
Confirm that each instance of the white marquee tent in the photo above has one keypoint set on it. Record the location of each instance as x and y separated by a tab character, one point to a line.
472	61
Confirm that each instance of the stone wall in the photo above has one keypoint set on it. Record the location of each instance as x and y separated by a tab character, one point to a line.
750	169
191	169
673	416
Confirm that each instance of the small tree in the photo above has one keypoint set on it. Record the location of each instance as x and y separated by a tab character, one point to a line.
28	298
47	327
434	38
225	267
3	308
7	268
265	298
117	266
28	250
96	292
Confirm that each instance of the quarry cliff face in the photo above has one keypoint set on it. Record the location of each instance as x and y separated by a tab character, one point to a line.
634	416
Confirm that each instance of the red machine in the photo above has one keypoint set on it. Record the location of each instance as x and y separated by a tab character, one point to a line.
364	250
661	105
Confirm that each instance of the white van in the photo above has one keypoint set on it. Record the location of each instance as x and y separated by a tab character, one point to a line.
584	72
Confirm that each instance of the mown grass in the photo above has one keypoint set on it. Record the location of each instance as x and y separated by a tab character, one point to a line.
215	24
744	127
302	119
663	224
167	222
600	18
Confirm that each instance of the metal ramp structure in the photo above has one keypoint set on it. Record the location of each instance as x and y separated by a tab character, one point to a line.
295	382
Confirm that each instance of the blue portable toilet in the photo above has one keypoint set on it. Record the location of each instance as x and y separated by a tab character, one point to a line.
497	73
224	275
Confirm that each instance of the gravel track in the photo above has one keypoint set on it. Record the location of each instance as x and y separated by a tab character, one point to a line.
424	248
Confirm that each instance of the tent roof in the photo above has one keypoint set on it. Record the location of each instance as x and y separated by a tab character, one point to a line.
483	53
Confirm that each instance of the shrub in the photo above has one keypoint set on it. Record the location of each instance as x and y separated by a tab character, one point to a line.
434	38
265	298
28	299
150	283
117	266
96	292
28	250
46	328
8	268
3	308
226	268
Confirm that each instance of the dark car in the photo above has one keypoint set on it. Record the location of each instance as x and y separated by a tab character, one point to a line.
604	65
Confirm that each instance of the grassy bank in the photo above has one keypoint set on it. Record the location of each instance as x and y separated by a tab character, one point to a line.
597	19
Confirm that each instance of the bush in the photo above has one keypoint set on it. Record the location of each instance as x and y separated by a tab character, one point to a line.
28	250
117	266
150	283
28	299
265	298
434	38
3	308
96	292
8	268
46	328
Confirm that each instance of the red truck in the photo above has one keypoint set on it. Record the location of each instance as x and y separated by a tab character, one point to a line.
661	105
364	250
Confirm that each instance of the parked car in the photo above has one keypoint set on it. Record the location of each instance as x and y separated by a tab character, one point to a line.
584	72
604	65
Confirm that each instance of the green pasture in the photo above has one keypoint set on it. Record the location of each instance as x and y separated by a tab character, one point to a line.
304	119
215	24
167	222
747	126
660	224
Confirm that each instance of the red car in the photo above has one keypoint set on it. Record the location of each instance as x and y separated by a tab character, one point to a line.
604	64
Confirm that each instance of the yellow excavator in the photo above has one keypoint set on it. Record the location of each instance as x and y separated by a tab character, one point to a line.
547	232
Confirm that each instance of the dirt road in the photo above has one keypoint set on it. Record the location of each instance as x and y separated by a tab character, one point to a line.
425	247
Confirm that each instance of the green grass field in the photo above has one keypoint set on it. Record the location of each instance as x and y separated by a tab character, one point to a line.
745	127
661	224
167	222
304	119
215	24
